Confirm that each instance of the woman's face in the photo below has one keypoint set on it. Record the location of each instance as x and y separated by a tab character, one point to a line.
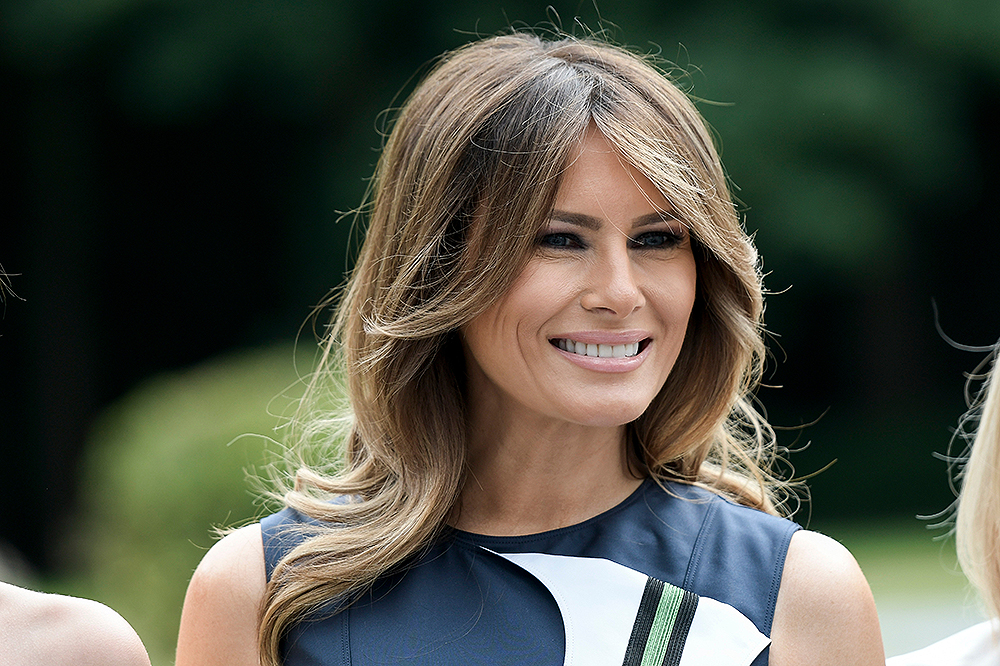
589	331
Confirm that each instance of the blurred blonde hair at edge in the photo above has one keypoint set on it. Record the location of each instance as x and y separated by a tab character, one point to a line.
977	523
977	529
468	176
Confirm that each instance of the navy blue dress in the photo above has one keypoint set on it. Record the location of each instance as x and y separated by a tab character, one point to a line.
682	578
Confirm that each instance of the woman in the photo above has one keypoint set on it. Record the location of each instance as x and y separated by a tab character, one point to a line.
548	341
977	536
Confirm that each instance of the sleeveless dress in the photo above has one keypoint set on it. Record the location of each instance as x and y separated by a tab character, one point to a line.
680	577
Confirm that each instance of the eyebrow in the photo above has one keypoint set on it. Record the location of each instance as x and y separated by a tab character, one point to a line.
594	223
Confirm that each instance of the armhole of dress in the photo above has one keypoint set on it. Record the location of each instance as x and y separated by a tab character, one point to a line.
779	570
781	553
269	526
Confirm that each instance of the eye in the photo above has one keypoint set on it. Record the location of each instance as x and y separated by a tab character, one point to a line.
658	239
560	240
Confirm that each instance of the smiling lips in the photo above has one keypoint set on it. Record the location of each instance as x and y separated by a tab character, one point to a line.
625	350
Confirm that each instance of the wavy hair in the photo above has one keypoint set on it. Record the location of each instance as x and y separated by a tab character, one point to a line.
467	177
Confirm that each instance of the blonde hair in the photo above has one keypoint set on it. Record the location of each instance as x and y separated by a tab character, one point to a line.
977	524
466	179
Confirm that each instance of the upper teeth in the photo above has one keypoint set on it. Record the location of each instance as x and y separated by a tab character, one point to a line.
602	351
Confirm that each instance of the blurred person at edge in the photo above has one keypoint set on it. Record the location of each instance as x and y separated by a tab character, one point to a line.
38	629
977	532
549	343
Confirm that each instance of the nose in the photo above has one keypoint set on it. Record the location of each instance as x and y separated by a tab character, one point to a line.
612	285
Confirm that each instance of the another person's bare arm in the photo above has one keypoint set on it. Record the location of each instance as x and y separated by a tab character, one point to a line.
54	630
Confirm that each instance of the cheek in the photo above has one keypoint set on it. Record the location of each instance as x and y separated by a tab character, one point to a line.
544	275
678	292
688	296
537	294
477	337
689	281
490	340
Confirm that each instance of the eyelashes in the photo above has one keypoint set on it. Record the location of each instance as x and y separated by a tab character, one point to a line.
657	239
567	240
661	239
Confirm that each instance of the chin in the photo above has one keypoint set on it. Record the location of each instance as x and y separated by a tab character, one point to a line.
611	417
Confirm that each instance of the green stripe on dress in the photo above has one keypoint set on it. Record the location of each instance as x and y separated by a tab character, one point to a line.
644	617
663	625
682	625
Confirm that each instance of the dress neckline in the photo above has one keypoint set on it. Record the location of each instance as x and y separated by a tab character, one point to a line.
488	540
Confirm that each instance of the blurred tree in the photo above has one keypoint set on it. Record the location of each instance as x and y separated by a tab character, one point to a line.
166	463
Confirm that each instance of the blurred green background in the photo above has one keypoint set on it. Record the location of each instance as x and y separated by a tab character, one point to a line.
174	175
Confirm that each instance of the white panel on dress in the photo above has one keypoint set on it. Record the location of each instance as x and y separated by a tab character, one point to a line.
599	600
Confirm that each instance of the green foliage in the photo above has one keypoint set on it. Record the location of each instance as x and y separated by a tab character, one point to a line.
846	118
165	465
835	123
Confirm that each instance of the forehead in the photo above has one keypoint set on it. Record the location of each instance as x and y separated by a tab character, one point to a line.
599	182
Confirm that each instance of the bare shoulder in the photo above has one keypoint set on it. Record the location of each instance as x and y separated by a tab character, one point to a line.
220	616
95	634
825	612
54	629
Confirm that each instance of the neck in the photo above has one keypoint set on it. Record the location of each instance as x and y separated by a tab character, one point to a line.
528	476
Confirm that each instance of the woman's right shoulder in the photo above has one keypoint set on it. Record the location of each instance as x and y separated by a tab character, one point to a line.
221	609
